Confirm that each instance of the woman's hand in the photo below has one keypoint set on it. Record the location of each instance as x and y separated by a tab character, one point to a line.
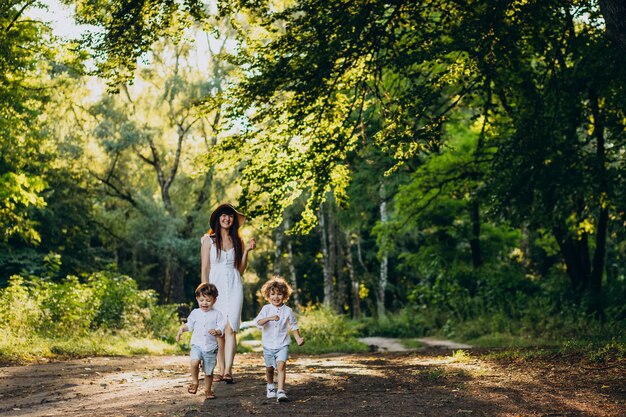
251	245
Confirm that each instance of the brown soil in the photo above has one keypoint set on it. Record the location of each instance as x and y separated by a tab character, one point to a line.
420	383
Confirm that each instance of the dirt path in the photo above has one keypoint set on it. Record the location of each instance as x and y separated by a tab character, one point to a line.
418	383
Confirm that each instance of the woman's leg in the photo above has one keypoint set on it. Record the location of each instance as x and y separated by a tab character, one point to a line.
230	348
220	356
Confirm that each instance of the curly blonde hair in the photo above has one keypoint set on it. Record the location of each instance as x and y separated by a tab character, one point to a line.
279	284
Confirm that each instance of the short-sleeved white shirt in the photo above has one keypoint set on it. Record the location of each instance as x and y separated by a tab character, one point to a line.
200	322
275	334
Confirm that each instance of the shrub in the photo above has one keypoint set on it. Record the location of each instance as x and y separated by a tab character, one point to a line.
20	313
325	331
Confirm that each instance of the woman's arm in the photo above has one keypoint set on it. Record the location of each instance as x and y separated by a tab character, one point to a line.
205	258
244	259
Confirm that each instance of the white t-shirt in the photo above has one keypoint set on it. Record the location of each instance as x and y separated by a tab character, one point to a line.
200	322
276	333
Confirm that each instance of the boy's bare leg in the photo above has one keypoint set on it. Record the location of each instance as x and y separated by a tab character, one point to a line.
194	367
208	385
281	375
269	375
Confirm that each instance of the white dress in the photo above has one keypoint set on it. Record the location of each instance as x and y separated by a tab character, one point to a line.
227	279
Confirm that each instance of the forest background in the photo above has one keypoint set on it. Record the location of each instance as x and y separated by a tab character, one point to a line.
413	167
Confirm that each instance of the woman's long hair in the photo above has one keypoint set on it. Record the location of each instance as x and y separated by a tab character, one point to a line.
233	232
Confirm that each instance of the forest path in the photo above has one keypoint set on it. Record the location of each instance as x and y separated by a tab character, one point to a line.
424	382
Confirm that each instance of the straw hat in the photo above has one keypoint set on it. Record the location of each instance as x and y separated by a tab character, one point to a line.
213	221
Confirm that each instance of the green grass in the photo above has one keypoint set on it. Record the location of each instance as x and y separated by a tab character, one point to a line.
15	349
316	347
501	340
412	343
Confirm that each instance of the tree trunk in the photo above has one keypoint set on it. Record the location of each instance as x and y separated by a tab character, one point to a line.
178	285
384	260
355	285
292	271
614	13
368	277
599	256
279	233
328	278
332	257
477	258
575	255
340	296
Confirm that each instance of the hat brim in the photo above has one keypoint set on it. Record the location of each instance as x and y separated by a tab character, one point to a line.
241	219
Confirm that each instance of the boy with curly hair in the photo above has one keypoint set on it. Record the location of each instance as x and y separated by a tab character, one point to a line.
276	319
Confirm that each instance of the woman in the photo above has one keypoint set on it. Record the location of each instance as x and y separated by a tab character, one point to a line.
224	260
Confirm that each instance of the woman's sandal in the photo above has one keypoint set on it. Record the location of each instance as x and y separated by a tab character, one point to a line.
192	389
209	395
218	378
228	378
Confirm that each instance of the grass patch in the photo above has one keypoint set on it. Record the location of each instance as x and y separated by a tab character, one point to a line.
411	343
501	340
315	347
433	374
461	356
14	349
323	330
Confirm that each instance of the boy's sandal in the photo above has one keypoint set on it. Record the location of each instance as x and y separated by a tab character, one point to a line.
218	378
209	395
228	378
192	389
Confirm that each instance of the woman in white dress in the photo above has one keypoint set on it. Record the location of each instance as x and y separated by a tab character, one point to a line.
224	259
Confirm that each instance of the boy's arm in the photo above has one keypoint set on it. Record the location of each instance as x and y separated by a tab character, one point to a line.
187	327
264	321
261	319
293	325
296	335
182	330
220	324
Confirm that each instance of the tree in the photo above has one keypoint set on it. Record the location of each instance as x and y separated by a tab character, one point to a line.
151	136
23	53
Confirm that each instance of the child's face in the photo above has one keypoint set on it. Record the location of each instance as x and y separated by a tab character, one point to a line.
205	302
276	297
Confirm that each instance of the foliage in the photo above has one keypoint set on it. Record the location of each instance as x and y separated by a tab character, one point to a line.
326	332
98	343
494	131
23	51
406	323
73	317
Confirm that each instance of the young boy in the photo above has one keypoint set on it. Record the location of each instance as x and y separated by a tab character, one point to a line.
205	323
276	319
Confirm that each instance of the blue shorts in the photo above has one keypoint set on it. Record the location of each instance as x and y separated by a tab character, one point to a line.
272	356
208	359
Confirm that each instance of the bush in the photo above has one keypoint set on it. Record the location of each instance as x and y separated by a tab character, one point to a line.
41	318
406	323
20	312
325	331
